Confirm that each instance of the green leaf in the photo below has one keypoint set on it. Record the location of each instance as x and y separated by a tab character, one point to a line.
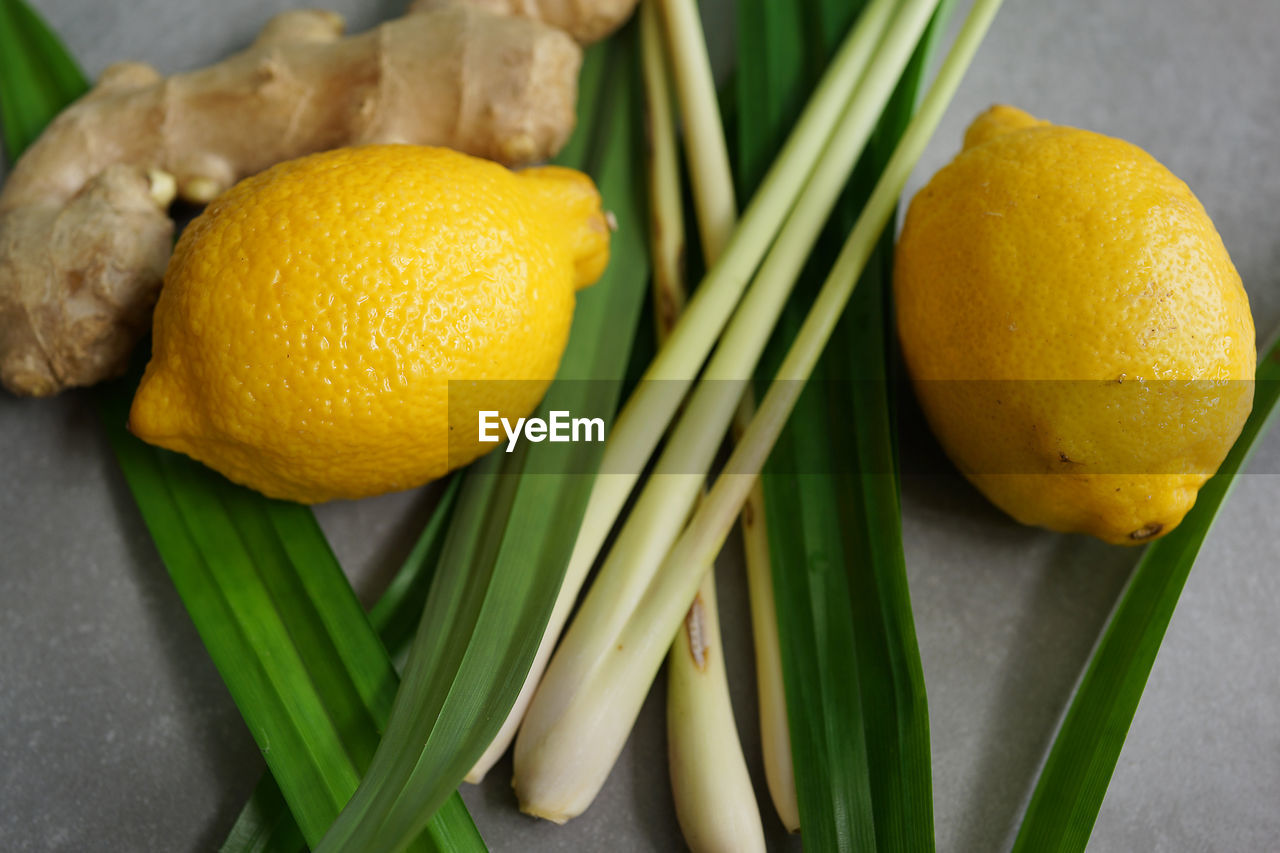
265	823
275	611
38	78
1074	780
855	687
506	551
280	621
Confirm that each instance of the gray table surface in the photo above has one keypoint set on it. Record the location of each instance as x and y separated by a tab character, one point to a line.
117	734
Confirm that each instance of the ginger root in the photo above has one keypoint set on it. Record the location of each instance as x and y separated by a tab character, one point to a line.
586	20
84	231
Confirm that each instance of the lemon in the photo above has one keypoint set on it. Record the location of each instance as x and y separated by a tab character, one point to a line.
316	318
1075	331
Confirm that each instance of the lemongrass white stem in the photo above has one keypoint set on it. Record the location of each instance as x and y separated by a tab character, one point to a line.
775	732
607	691
715	803
704	143
667	248
548	780
644	418
714	798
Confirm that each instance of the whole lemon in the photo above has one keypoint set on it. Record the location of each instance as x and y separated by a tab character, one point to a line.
1075	331
317	318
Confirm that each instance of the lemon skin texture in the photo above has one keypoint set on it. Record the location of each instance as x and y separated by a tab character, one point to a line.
318	319
1076	334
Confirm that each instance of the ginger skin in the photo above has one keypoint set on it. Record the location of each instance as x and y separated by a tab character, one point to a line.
586	20
84	231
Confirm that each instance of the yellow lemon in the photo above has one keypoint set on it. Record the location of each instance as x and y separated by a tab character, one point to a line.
1076	333
316	318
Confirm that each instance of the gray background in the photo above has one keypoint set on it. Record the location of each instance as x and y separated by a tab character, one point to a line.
117	734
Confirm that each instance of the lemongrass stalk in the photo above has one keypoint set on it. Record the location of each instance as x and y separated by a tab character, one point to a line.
599	705
645	416
714	798
549	778
715	802
667	248
775	733
704	143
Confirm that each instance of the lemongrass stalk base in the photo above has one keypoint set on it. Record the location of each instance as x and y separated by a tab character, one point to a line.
715	802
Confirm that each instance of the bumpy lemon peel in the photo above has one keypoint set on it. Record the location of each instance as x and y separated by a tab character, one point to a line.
330	327
1077	335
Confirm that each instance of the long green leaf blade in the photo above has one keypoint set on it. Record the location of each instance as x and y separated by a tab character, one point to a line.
1073	783
280	622
890	672
265	823
855	683
805	543
505	554
212	564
